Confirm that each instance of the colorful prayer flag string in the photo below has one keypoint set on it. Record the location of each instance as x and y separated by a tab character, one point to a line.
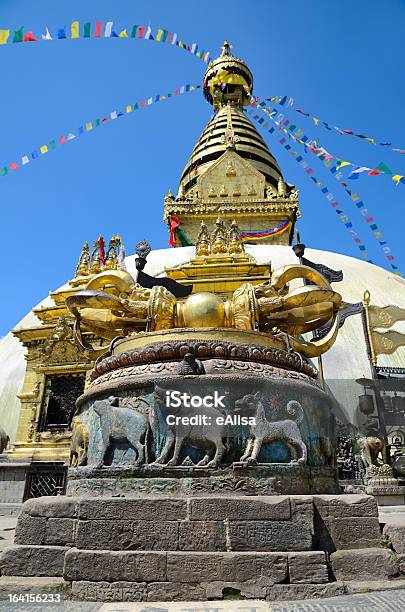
106	31
355	169
290	102
309	171
88	126
299	136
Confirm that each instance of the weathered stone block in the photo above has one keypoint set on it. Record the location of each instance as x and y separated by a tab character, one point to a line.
234	508
112	566
31	584
302	510
109	591
228	567
127	535
340	506
175	591
269	536
60	531
253	589
364	564
202	536
30	529
19	560
55	507
395	536
308	567
138	509
285	592
355	532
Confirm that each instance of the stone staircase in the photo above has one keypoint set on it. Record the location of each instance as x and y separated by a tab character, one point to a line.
198	548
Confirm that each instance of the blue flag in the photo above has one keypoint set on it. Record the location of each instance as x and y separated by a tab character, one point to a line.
62	32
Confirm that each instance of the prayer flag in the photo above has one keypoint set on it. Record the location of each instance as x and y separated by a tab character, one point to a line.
25	160
29	37
98	30
18	35
4	34
87	29
383	168
52	145
206	56
193	48
148	34
174	39
108	29
14	166
70	136
123	34
74	29
47	36
4	171
141	31
89	126
62	139
129	109
62	33
113	115
43	149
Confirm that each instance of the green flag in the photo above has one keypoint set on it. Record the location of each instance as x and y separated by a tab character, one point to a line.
18	35
383	168
86	29
183	238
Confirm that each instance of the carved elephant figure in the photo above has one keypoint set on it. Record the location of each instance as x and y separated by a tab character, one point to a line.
120	424
79	443
4	440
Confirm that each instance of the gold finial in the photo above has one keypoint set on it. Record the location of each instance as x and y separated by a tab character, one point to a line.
226	49
97	256
111	258
83	265
203	241
228	138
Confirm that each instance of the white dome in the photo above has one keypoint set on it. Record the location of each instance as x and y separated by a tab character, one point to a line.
346	361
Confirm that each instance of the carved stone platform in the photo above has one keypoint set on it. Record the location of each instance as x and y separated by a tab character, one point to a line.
236	479
198	548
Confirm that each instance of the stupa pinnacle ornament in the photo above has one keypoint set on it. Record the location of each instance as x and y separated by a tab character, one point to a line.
231	173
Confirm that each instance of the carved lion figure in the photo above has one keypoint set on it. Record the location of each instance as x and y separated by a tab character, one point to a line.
371	447
264	431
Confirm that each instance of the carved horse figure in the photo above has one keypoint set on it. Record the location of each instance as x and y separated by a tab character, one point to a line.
264	431
207	438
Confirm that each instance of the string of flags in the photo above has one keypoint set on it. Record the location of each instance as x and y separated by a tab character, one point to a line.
88	126
355	169
290	102
103	30
299	136
260	235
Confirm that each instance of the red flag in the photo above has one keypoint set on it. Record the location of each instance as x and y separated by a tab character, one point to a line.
347	131
374	172
174	224
98	30
13	166
29	37
141	31
62	139
101	245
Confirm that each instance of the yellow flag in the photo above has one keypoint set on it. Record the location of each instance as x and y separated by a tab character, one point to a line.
340	164
385	316
89	126
129	109
43	149
4	34
159	35
74	28
123	34
387	343
396	178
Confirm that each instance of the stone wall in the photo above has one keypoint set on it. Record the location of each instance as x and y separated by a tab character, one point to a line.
12	482
197	548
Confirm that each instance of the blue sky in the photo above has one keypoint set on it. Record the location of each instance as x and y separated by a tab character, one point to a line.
343	62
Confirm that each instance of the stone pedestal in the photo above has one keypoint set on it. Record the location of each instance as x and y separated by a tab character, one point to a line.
383	486
198	548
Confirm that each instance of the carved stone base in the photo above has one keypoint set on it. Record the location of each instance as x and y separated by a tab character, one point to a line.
237	479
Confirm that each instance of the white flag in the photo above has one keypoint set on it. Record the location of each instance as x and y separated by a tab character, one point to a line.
148	33
108	29
47	36
150	101
174	39
182	89
25	160
70	136
193	48
113	115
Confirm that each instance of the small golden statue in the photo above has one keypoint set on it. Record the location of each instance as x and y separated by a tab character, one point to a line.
203	241
223	193
83	265
219	238
281	187
230	170
235	245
